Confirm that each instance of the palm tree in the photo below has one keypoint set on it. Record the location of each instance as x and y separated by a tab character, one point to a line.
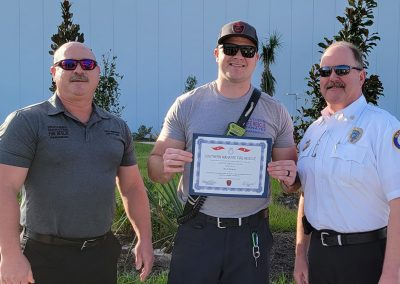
268	58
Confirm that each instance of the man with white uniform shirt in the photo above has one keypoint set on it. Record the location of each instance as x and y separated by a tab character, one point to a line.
348	228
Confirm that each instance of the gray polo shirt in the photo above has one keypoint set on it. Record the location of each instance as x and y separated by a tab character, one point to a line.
70	187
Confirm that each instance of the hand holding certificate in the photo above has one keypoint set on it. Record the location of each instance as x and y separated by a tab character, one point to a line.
230	166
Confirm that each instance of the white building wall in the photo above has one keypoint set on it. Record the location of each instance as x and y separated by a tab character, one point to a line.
159	43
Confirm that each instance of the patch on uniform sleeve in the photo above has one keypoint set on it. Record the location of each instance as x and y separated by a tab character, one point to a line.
396	139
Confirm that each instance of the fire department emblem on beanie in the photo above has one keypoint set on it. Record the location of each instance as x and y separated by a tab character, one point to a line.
240	29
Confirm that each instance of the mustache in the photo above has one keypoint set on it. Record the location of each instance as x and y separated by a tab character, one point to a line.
335	85
79	78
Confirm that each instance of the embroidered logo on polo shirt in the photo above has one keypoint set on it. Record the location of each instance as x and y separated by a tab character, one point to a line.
112	132
57	131
395	139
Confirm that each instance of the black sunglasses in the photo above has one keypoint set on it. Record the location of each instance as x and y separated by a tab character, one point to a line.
340	70
231	49
71	64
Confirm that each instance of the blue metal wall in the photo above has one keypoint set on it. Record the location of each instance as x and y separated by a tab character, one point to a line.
159	43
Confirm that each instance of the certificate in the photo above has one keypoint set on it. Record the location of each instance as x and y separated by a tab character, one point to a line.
230	166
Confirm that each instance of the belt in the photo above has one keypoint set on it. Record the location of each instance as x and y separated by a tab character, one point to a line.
234	222
331	238
58	241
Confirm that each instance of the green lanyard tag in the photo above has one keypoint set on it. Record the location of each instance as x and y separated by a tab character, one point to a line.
235	130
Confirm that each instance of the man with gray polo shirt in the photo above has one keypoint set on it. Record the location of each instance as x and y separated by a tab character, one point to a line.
229	240
68	155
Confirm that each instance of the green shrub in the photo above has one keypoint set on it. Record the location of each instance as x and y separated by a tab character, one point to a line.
144	134
358	18
190	83
108	92
165	208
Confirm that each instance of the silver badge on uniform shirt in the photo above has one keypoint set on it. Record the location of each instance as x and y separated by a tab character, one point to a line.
307	144
355	135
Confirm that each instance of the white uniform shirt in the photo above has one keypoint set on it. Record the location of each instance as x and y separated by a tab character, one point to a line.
349	167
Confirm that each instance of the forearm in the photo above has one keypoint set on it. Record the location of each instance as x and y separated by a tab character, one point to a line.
137	209
9	223
300	272
302	240
167	159
302	244
391	266
155	166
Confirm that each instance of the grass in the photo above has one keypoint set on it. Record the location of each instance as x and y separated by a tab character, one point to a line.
283	279
142	152
133	278
161	278
282	219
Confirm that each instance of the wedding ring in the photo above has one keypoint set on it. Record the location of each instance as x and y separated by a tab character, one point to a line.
288	173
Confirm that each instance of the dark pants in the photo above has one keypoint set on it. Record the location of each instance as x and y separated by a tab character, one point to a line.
68	264
206	254
350	264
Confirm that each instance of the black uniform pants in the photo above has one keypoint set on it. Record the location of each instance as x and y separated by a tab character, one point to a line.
206	254
350	264
70	265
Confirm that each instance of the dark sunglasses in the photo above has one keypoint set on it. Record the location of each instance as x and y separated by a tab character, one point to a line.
231	49
71	64
340	70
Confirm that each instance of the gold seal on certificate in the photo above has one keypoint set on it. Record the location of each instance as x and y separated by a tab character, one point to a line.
230	166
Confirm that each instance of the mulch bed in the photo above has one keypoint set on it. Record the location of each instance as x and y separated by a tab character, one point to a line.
282	255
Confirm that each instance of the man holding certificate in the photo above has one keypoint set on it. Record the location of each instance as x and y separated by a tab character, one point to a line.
225	238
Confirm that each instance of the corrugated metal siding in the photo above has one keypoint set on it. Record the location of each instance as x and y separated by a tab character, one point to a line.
159	43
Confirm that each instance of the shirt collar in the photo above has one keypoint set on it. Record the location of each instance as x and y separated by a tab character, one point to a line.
351	112
57	107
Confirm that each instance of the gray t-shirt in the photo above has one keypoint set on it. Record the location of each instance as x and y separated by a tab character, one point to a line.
70	187
205	111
